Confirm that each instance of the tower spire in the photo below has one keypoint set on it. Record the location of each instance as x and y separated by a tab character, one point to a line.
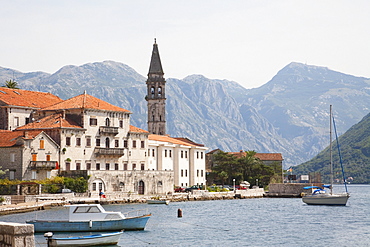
156	94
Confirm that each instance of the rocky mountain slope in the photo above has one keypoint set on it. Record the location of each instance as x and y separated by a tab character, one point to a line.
287	115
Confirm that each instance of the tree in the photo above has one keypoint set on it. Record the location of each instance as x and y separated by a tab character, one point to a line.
11	84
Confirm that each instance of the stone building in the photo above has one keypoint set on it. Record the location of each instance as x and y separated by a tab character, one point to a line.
17	106
86	135
28	155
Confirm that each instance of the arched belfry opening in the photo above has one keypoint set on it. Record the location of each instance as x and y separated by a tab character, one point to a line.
156	97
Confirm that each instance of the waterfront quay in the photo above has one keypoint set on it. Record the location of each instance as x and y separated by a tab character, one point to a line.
45	201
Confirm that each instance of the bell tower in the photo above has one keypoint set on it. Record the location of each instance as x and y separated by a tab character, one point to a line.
156	95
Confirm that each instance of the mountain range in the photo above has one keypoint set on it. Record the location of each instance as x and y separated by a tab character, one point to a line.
287	115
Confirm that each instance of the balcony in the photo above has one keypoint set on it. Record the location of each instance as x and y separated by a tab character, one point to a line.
109	151
108	130
43	165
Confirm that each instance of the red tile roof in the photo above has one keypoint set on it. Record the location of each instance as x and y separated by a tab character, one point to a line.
85	101
188	141
168	139
8	138
25	98
51	122
261	156
137	130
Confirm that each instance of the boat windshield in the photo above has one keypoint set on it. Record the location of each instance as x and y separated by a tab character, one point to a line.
86	209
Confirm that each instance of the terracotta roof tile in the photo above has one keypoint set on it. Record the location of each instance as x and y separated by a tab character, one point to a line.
85	101
25	98
261	156
188	141
137	130
168	139
51	122
8	138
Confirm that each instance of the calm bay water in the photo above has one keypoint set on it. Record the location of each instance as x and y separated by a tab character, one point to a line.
247	222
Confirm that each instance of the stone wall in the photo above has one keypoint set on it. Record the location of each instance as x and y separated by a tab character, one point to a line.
287	189
16	235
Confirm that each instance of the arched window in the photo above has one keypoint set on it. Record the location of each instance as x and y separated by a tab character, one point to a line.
153	118
152	92
107	141
159	91
107	122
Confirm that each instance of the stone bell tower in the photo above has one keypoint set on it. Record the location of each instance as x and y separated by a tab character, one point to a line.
156	95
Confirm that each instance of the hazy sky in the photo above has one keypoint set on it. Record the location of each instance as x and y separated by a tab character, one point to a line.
242	40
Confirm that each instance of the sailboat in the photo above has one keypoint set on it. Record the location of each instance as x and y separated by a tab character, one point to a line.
319	196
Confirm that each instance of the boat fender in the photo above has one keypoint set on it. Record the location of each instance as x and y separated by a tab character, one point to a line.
303	194
90	223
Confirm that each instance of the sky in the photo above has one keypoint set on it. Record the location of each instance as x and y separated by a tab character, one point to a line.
247	41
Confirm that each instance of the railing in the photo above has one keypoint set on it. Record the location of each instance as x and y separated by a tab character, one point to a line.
43	165
109	151
108	130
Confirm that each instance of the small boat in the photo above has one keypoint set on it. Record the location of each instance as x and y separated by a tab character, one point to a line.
90	240
319	195
91	218
158	201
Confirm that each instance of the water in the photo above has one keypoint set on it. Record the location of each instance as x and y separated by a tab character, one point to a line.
247	222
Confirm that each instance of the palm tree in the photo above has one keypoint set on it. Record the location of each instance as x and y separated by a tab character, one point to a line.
11	84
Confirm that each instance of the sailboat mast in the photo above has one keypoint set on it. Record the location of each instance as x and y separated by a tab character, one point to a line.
331	153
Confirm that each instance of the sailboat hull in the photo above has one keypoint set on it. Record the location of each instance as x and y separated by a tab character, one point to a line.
326	199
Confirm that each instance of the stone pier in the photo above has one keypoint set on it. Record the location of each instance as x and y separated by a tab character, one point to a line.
16	235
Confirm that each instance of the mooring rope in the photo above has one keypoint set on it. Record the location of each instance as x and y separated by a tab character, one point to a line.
126	233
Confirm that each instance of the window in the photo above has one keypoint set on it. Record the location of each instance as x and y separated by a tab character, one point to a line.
48	174
182	172
88	141
78	141
116	167
142	166
33	175
134	144
94	187
78	166
16	121
186	173
153	152
201	155
142	144
125	166
165	153
201	173
182	154
42	144
152	91
88	166
116	143
68	166
12	157
93	121
11	175
133	166
197	154
197	173
107	122
125	144
68	141
48	157
159	91
34	157
107	142
121	123
186	154
27	120
97	166
107	166
97	142
170	154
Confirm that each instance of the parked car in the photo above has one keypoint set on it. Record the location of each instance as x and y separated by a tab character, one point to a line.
180	189
194	187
